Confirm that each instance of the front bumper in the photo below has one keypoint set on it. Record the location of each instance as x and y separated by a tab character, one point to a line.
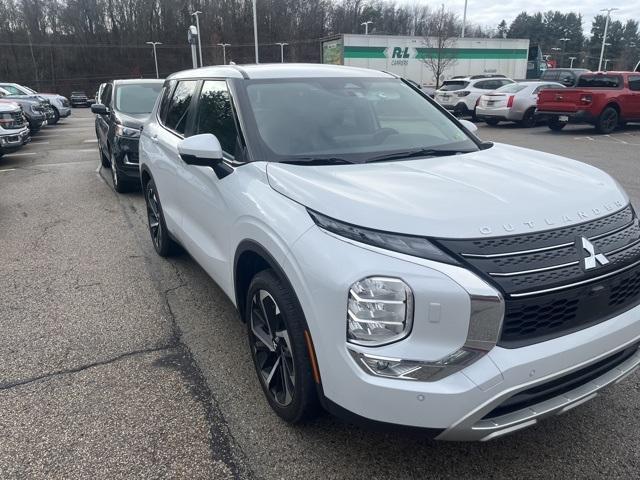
13	141
125	151
457	404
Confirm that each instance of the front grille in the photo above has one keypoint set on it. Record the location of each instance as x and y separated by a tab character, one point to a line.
548	292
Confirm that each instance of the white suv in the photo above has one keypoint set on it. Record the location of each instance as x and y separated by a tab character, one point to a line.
389	265
461	94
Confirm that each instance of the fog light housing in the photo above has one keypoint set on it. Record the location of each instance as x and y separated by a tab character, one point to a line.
379	312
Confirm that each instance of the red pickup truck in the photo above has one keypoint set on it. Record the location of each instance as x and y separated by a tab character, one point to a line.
605	100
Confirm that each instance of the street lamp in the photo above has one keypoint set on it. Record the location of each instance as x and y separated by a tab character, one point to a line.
604	37
366	26
606	60
155	55
464	19
564	46
196	13
224	52
255	29
282	44
572	59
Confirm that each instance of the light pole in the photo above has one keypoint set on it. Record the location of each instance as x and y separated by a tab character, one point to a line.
282	44
155	55
464	19
606	60
224	52
255	29
366	26
196	13
604	36
572	59
564	46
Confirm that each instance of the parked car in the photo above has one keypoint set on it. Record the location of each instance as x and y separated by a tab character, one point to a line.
126	105
14	132
389	265
34	109
60	104
461	95
79	99
605	100
514	102
568	77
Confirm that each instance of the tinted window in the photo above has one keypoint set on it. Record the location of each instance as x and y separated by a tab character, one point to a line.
634	83
106	94
166	96
489	84
216	116
550	75
599	81
12	90
453	85
178	108
136	99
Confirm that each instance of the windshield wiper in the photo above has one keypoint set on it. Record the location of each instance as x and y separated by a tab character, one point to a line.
420	152
317	161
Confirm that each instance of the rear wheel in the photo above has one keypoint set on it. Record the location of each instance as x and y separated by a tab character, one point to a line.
460	110
276	329
528	119
607	121
555	124
492	121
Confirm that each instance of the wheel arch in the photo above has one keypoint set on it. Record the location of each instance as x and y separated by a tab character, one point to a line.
251	258
145	175
613	105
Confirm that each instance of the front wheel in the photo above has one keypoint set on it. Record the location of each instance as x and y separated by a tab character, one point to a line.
276	329
607	121
162	241
56	115
120	184
555	124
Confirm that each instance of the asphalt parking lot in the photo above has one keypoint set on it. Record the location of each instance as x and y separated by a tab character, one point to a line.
116	363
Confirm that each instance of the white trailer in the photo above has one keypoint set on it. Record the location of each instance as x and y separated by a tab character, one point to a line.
405	55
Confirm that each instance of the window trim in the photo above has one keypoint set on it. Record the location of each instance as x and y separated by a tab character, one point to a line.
635	77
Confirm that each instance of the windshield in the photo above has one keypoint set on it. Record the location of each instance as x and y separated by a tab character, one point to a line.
354	119
511	88
137	98
450	85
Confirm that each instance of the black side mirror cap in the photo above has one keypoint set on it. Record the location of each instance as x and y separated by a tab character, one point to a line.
99	109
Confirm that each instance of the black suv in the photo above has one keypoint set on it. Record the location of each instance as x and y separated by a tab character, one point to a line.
122	108
566	76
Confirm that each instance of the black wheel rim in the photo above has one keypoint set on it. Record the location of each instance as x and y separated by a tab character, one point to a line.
271	348
153	215
610	120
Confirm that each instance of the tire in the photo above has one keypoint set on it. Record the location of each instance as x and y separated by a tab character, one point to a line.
120	185
607	121
276	330
528	119
104	161
460	110
556	125
163	244
492	121
56	115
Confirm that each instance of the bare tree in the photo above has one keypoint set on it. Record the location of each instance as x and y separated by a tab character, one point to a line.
439	39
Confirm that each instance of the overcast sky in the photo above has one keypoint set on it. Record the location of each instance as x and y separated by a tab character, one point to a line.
491	12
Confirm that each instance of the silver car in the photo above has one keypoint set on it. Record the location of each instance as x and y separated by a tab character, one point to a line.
515	102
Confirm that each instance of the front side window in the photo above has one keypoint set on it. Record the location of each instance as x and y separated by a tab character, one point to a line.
178	108
216	116
634	83
136	98
354	119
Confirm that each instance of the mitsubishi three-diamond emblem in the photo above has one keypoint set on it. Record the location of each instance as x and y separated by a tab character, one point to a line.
590	259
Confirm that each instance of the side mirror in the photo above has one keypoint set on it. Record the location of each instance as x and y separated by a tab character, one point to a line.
472	127
99	109
204	150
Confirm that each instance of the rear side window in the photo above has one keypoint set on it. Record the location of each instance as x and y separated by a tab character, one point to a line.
216	116
634	83
600	81
178	108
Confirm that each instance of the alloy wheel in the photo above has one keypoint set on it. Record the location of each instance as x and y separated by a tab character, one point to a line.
271	348
114	172
610	121
153	215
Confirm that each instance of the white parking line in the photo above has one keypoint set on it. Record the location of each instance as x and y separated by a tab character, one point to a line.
90	141
7	170
22	154
38	143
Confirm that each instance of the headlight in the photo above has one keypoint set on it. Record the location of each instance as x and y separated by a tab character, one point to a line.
380	311
122	131
35	109
407	244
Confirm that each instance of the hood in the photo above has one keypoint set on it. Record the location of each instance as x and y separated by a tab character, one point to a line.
131	120
499	191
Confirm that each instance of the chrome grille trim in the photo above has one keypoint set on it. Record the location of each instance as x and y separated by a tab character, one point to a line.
535	270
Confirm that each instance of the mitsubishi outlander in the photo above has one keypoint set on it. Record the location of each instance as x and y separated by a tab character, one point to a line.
390	266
